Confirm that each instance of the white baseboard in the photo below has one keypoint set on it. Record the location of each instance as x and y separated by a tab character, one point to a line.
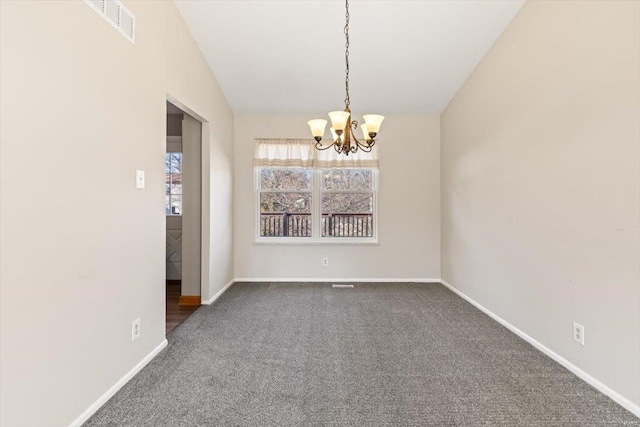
218	295
621	400
348	280
618	398
117	386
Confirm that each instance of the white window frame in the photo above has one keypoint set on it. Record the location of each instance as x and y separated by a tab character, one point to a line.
316	215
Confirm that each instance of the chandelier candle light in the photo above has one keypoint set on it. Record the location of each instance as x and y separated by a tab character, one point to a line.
342	131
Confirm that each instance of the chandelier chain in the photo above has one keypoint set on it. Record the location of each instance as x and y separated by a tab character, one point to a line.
347	101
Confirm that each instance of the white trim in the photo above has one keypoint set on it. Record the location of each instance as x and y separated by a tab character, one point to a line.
172	99
205	213
117	386
218	295
205	198
348	280
307	241
618	398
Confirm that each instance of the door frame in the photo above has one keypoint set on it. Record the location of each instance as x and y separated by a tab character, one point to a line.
205	196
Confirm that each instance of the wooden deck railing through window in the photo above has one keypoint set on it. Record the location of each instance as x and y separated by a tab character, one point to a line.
286	224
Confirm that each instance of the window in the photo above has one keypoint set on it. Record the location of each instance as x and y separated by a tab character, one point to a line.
308	204
315	196
347	203
285	202
173	183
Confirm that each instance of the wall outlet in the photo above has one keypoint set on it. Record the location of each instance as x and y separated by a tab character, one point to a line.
135	330
325	262
578	333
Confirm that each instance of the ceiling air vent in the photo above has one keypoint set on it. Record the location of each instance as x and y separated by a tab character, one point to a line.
117	15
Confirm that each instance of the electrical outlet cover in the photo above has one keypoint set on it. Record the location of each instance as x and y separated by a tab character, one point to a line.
578	333
135	329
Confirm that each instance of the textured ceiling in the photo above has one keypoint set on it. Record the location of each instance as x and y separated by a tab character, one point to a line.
287	57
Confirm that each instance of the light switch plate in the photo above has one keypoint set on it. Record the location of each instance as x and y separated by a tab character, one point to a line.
140	179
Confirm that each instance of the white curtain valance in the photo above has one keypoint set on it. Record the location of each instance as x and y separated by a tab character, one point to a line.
283	152
328	159
302	153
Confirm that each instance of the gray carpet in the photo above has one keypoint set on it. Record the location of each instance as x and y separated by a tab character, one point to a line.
388	354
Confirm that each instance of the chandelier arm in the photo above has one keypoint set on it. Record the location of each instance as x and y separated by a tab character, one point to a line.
354	126
367	145
322	148
366	148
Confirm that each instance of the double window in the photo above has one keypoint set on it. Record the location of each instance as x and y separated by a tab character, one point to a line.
314	196
316	205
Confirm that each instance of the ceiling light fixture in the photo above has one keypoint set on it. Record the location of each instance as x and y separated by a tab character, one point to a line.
342	132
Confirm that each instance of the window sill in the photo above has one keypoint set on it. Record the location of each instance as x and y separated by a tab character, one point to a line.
309	242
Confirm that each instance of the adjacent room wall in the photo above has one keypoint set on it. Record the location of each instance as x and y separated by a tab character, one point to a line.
191	206
408	207
174	124
174	222
83	250
541	183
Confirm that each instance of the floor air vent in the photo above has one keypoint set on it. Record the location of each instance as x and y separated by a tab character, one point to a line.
335	285
117	15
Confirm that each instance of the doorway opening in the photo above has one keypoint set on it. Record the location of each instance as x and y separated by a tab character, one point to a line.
183	207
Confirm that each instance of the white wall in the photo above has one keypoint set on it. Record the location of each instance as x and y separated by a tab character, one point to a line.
408	207
541	183
82	249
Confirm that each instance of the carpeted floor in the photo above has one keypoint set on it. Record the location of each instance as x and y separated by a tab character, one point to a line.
377	355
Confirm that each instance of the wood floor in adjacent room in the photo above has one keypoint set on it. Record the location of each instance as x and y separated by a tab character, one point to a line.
176	313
